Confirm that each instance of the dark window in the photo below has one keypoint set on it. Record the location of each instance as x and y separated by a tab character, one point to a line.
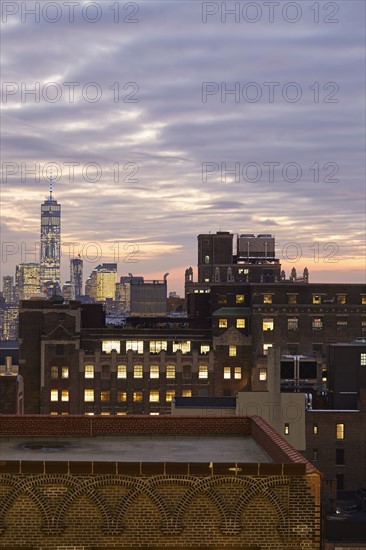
59	349
222	299
340	482
187	371
315	454
61	316
287	369
105	371
339	457
308	369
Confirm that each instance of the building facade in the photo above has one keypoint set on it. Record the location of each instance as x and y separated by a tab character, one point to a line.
50	243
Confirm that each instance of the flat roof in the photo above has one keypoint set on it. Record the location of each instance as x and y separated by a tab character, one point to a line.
157	448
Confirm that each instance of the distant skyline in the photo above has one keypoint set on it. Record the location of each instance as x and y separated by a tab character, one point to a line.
173	95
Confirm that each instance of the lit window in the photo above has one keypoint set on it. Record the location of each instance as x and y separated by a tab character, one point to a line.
262	374
292	298
363	299
207	259
341	325
138	371
268	324
54	395
317	323
170	371
64	372
158	345
121	396
341	299
64	395
88	395
154	371
109	345
232	351
292	323
324	375
317	299
154	395
170	394
287	428
121	413
105	413
121	371
184	347
135	345
266	347
207	280
154	414
186	393
363	325
222	323
137	396
203	371
315	429
239	298
227	373
204	349
240	323
363	359
89	371
105	395
340	431
267	298
54	372
237	373
53	413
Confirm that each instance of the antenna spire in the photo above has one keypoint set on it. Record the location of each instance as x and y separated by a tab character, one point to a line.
51	186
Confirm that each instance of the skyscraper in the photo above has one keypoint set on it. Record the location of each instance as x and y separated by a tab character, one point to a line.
50	242
76	277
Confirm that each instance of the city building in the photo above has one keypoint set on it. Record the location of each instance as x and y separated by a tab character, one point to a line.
28	280
50	245
76	277
8	289
10	320
103	282
168	482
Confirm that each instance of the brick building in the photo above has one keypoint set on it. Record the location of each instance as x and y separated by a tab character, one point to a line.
127	482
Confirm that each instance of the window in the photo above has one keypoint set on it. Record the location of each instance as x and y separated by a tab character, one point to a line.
266	347
138	371
137	396
59	349
105	395
317	323
158	345
341	299
232	351
239	299
207	259
109	345
317	299
135	345
222	323
121	371
340	431
227	373
154	396
292	298
292	323
121	396
363	325
363	359
237	373
105	413
315	429
170	394
64	372
267	298
54	372
154	371
105	372
324	375
315	455
64	395
339	457
363	299
341	325
170	371
184	347
187	373
268	324
240	323
222	300
203	371
262	374
287	428
186	393
88	395
340	482
54	395
205	348
89	371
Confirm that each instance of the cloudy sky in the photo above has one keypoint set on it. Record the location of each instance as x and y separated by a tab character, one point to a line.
163	120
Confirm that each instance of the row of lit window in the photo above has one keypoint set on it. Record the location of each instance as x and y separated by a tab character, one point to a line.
291	298
223	323
292	324
155	346
340	430
232	372
138	371
155	396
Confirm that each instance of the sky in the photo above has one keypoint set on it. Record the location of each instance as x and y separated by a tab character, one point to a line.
164	120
